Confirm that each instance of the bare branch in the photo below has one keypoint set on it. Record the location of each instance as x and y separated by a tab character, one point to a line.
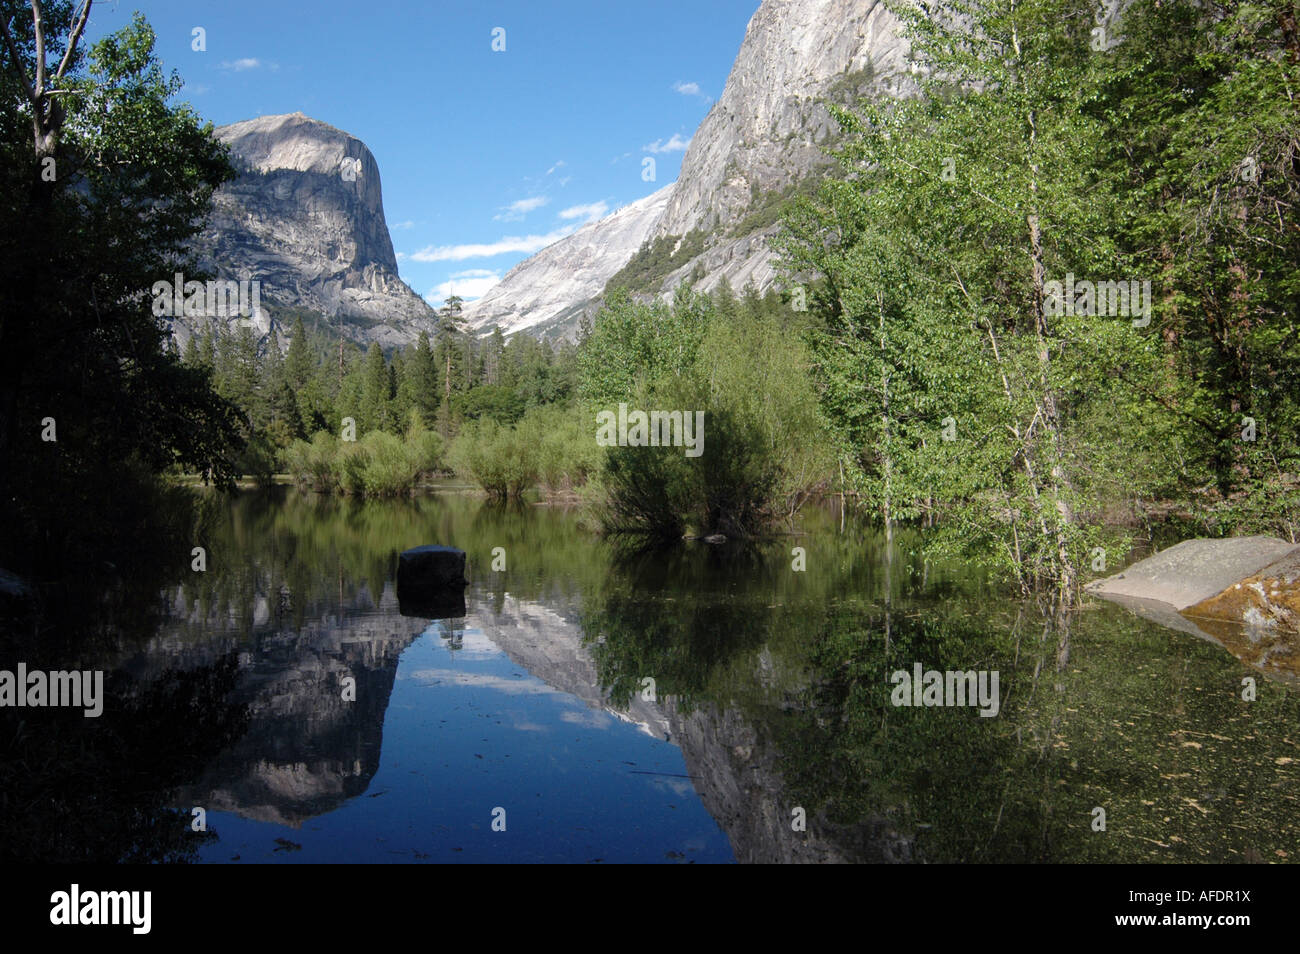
73	37
18	64
39	85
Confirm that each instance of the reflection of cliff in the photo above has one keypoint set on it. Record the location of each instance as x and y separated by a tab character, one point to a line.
307	749
735	769
550	645
738	777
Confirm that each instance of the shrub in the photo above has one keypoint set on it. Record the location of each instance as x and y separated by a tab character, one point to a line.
350	467
388	469
313	465
499	459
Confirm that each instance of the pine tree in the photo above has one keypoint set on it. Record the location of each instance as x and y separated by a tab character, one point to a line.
376	409
298	361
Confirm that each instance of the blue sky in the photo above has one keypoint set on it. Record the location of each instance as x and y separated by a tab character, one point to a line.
485	156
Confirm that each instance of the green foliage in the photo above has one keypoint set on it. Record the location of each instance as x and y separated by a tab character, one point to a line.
958	398
312	465
764	446
501	460
567	454
380	464
632	342
654	261
78	256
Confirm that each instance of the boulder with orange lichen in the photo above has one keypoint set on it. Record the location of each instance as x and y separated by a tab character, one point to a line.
1268	600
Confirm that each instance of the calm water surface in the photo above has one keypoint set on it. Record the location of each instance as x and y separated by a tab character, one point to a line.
595	704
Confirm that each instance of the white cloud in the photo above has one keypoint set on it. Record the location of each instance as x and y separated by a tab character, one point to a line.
517	210
469	285
529	687
687	89
587	212
510	243
408	224
675	144
559	164
247	63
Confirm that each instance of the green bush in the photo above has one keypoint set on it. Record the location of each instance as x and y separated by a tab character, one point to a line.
313	465
388	469
379	465
565	444
765	448
499	459
350	467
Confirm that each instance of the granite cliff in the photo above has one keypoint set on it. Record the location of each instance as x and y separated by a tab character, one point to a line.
305	218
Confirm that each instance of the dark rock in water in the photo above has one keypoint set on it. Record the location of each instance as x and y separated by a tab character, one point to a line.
432	577
715	538
442	604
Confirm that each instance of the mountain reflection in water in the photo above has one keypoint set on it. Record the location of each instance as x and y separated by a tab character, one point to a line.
687	705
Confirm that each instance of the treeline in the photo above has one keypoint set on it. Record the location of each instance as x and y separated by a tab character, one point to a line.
295	400
511	416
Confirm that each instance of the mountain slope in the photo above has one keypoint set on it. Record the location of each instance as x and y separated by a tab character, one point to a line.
306	219
547	293
767	129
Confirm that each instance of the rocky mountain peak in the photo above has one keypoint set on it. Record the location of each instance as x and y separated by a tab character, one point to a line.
306	219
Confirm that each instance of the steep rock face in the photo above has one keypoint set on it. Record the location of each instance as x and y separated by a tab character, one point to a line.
768	127
547	293
306	219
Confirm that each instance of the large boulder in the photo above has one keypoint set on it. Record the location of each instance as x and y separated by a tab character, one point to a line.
1267	600
1193	571
1241	593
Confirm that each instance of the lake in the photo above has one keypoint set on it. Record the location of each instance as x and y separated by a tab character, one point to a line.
596	703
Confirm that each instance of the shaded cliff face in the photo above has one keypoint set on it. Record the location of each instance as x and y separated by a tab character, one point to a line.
306	219
547	293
